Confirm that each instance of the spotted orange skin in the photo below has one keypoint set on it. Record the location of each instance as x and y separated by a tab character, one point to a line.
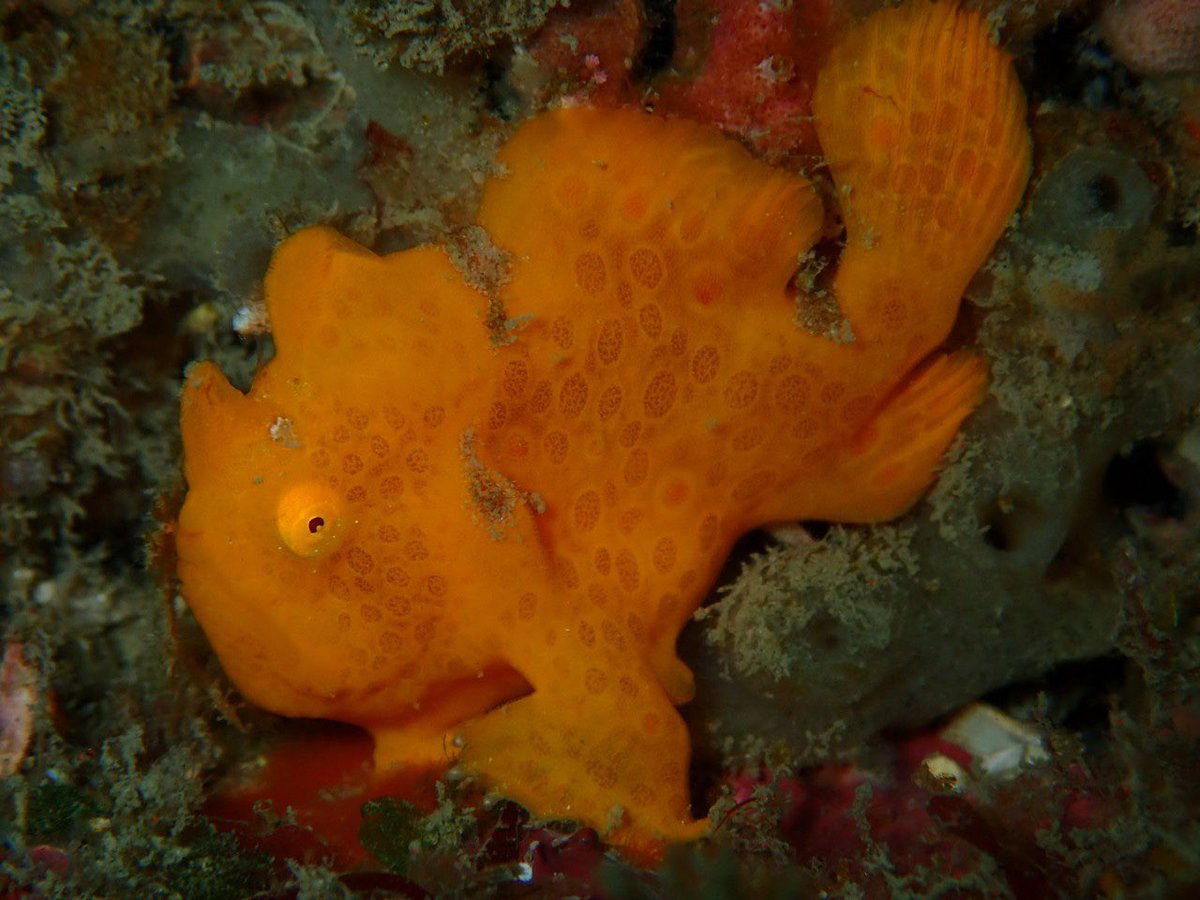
480	542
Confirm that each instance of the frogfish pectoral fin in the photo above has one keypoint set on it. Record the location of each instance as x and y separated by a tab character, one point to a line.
895	458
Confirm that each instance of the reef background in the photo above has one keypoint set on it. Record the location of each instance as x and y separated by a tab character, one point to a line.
153	153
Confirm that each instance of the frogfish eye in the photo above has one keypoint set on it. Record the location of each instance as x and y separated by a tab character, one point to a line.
308	518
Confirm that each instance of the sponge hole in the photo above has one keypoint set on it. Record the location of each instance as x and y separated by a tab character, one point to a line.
1009	521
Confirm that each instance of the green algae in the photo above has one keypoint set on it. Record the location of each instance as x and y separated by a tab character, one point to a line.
426	846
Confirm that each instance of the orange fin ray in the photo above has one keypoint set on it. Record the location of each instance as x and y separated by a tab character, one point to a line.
896	456
922	121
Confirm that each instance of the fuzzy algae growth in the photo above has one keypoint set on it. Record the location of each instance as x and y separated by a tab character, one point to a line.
329	543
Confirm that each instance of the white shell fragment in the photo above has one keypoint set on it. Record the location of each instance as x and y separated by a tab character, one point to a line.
1000	744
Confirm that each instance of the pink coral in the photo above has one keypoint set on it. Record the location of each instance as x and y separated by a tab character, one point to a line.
1154	37
18	695
589	49
844	819
750	67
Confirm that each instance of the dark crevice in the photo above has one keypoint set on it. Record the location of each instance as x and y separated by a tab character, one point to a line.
748	545
705	775
1181	233
657	52
1136	479
1066	64
1073	696
816	528
500	98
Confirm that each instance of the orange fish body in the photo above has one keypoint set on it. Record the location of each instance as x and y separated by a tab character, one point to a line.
479	540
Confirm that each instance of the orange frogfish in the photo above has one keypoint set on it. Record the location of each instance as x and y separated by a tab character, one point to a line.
473	521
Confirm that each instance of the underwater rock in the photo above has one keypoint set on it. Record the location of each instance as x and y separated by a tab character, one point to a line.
1154	37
